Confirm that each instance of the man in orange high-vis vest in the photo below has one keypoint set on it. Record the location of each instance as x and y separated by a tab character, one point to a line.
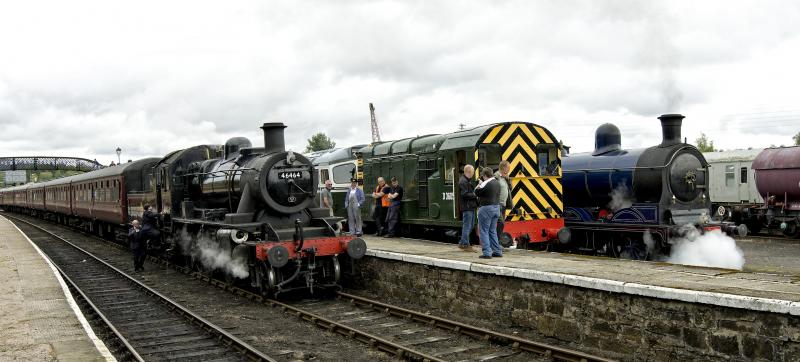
382	203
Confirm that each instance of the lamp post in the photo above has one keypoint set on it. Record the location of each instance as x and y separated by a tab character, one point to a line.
119	152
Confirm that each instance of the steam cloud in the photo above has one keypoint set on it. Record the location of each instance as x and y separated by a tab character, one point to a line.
212	256
621	198
712	249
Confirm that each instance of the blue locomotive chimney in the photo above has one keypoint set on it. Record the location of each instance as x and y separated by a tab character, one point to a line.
671	129
273	137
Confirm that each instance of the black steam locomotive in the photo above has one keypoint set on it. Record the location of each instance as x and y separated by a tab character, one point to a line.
241	211
632	203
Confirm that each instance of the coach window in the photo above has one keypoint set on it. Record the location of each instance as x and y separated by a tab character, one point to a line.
323	176
343	173
743	175
730	175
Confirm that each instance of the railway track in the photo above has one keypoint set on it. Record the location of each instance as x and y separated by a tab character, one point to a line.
404	333
147	325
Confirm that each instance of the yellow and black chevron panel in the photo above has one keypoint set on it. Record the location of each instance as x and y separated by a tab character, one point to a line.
360	169
537	197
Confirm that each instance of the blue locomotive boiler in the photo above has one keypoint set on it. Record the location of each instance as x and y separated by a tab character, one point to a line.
631	202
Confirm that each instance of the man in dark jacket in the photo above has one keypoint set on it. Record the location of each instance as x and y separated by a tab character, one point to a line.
469	202
488	191
150	231
138	246
395	195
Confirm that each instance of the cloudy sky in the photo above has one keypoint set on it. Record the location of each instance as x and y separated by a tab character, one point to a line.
83	78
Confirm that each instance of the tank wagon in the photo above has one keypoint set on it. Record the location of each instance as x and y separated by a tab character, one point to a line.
777	179
632	202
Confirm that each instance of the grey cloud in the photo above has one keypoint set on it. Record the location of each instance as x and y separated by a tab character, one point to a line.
141	80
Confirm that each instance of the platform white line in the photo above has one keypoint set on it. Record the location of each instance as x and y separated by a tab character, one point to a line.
101	347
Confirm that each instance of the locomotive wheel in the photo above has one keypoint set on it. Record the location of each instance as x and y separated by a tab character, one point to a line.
198	266
238	255
268	279
632	250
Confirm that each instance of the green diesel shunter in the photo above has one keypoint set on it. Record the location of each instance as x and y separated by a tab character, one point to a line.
429	167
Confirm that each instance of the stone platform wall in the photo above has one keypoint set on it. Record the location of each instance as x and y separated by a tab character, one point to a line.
614	325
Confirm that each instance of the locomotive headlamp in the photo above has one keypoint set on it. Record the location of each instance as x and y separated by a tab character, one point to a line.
237	236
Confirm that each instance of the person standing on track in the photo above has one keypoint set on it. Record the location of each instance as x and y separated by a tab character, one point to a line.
352	203
150	233
138	246
469	202
395	194
488	191
504	199
325	197
382	203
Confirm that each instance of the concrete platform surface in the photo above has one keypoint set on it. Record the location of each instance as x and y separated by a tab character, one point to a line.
39	320
730	288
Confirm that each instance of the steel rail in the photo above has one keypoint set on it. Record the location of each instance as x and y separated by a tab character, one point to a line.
556	353
240	346
74	286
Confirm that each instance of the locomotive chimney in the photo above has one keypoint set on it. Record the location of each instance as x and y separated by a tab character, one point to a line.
671	129
273	137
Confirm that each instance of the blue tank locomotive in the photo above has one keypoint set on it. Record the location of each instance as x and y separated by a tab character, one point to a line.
632	203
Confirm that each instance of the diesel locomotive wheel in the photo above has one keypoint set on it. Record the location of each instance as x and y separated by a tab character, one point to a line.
506	240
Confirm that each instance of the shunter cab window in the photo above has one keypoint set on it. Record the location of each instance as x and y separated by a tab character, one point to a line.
743	175
547	159
449	171
730	175
323	176
343	173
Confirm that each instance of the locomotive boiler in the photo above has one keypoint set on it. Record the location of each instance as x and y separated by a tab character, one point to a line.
632	202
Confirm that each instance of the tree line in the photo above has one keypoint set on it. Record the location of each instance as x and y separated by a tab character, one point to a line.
704	144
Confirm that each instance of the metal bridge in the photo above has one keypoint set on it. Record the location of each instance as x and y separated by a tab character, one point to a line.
48	163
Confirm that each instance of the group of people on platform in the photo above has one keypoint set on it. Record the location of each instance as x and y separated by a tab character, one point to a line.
385	213
490	198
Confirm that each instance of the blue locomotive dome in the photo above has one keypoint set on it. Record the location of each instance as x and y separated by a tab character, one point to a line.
607	138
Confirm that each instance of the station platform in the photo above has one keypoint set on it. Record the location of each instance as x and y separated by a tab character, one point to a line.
39	320
722	287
